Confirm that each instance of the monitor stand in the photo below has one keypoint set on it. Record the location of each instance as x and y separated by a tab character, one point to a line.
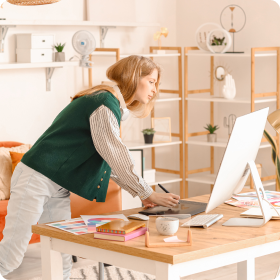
264	206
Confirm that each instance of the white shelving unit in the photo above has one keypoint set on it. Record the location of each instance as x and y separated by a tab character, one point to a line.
50	66
141	145
195	138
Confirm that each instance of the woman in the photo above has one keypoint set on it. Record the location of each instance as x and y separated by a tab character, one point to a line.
80	152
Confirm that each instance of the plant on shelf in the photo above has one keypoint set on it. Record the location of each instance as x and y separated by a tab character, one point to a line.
218	44
218	41
59	55
211	136
148	135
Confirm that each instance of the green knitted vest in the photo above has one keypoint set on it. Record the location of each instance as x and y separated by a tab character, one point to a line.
65	152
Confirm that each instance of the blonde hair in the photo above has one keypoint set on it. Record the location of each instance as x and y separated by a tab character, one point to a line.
126	73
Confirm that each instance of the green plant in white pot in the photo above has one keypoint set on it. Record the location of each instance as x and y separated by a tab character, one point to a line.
148	135
212	136
59	55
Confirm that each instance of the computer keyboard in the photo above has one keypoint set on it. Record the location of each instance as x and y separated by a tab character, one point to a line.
203	220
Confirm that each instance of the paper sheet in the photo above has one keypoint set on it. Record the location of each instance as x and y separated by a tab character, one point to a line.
173	239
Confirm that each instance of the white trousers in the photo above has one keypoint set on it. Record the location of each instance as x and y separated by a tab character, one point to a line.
34	198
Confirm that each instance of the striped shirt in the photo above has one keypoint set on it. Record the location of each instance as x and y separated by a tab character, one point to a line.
109	145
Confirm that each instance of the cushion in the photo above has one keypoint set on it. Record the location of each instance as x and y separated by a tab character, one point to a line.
6	168
16	158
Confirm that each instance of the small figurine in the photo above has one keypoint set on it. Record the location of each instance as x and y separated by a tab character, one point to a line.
163	31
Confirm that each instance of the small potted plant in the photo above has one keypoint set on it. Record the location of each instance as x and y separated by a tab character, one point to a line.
59	55
218	44
212	136
148	135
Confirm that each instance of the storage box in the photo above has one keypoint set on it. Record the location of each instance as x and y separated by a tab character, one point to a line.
34	55
259	167
150	175
35	41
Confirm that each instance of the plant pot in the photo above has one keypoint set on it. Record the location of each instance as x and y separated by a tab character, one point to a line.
148	138
59	56
212	137
218	49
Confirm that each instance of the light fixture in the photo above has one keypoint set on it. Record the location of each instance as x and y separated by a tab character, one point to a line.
30	2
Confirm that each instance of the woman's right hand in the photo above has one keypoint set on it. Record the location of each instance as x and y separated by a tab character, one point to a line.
164	199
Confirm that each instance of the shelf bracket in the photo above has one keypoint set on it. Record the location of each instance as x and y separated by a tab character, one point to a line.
103	33
3	32
49	73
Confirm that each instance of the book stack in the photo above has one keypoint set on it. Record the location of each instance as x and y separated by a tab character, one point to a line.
120	230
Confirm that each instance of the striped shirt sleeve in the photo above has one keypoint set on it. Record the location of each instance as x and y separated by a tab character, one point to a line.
105	134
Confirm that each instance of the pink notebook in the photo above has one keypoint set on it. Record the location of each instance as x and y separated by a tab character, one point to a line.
120	237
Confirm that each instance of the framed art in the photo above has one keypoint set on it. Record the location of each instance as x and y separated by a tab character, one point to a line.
162	126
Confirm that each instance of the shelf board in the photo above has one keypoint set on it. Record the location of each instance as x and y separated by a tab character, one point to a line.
113	54
221	143
76	23
165	178
169	99
210	179
37	65
141	145
234	100
248	55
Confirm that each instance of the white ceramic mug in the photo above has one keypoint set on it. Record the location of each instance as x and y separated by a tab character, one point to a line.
167	225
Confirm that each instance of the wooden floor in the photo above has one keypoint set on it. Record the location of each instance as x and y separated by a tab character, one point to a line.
265	268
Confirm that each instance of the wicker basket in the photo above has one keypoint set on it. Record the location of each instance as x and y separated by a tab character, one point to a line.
31	2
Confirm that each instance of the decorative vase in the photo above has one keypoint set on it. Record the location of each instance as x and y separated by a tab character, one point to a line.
212	137
148	138
59	56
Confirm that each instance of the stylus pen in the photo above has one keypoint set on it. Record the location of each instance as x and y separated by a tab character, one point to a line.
165	190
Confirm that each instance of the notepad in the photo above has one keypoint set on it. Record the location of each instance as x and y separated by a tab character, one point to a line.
120	227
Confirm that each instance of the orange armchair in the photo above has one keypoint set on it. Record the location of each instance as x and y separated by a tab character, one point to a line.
79	205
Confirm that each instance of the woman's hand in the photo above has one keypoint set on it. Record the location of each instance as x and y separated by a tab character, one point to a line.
164	199
148	203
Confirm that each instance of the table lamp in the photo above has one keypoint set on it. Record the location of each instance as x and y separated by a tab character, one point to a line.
274	120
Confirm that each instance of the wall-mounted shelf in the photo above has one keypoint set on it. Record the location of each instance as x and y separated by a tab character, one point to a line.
169	99
103	26
141	145
221	143
50	66
234	100
77	23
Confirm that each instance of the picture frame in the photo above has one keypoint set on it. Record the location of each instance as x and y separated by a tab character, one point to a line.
162	126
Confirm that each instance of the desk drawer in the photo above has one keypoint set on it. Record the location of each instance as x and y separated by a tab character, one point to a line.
35	41
34	55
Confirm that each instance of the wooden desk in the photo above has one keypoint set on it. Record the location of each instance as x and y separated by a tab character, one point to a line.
214	247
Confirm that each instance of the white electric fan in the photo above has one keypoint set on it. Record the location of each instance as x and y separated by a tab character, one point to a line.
84	43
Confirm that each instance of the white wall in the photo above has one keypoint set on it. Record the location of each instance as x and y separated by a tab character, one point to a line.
27	109
262	30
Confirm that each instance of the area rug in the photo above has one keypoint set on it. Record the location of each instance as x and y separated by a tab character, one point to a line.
110	273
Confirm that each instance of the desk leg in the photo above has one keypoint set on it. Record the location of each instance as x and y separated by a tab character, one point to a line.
51	261
101	271
246	270
165	271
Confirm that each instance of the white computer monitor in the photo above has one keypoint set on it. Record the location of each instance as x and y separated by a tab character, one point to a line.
238	161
